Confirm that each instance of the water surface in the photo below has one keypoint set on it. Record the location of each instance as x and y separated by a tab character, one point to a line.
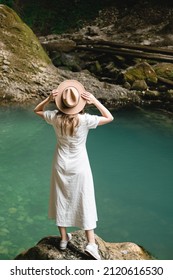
131	159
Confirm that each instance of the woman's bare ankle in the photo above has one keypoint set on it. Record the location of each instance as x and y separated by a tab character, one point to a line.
90	236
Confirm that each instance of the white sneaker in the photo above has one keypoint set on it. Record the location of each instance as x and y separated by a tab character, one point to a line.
63	243
92	249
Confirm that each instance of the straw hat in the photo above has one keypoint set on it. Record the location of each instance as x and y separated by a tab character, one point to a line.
68	99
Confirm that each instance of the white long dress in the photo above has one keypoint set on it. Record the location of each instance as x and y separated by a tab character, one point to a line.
72	198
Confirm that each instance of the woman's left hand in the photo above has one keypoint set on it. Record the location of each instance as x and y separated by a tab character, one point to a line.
53	94
89	97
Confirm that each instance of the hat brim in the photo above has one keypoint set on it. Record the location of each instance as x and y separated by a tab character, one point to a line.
58	99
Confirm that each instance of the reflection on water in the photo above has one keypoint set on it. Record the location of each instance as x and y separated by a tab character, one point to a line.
131	159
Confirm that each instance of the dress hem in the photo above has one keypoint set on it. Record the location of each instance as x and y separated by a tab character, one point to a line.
74	225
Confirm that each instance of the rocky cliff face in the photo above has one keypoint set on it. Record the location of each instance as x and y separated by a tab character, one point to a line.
48	249
130	46
27	73
24	65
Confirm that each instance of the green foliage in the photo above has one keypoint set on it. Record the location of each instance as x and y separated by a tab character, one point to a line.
7	2
48	16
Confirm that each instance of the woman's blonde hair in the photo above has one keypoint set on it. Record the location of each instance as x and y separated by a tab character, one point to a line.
67	123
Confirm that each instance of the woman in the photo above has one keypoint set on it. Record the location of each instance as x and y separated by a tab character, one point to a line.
72	199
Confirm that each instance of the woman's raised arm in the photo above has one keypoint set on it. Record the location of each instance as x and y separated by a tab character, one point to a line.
39	109
106	115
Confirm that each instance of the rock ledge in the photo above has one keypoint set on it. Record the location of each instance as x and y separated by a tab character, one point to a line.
48	249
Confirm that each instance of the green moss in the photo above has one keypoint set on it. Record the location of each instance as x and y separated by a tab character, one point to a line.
20	41
141	71
164	70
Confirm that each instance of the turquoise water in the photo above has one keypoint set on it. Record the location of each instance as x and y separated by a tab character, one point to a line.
131	159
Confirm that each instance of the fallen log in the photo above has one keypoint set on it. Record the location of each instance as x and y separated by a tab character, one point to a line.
127	46
166	81
127	52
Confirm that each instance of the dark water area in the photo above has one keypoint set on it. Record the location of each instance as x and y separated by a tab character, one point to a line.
131	160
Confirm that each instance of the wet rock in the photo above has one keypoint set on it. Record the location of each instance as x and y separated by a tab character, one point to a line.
127	85
152	94
164	70
60	44
71	61
6	62
92	31
162	88
170	94
139	85
5	68
48	249
141	71
111	69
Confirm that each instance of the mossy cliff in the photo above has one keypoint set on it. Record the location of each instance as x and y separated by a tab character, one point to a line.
21	39
22	59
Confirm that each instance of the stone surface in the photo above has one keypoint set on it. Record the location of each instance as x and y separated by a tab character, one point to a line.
164	70
139	77
27	73
25	68
139	85
48	249
58	44
141	71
